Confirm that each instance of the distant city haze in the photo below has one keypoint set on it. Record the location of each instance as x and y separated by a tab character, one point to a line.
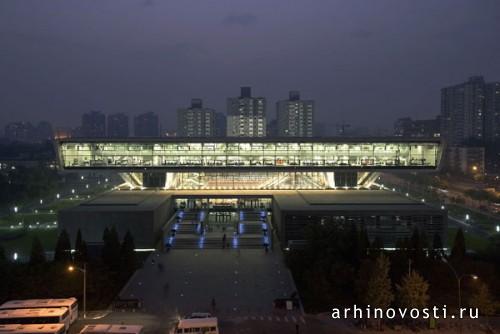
366	63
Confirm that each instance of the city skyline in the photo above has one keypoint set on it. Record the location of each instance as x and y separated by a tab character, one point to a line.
396	72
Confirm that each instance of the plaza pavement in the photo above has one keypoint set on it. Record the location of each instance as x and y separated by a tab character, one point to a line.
243	283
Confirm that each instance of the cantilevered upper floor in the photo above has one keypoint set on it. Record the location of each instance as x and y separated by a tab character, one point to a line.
249	154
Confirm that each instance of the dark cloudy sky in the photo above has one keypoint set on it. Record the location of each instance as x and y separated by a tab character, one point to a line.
365	62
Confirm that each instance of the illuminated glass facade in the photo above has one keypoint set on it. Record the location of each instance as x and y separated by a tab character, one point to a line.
244	154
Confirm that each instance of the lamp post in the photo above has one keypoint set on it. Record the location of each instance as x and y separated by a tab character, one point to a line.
459	284
84	271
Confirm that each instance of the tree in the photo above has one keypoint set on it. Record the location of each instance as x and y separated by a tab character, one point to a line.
62	252
413	292
377	245
458	251
483	300
437	247
111	248
5	274
105	252
128	259
364	242
37	255
353	250
80	248
3	257
417	248
378	289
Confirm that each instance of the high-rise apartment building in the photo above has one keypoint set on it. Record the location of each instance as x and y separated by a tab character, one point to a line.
246	115
20	131
295	116
407	127
118	126
462	111
196	121
93	124
147	125
492	112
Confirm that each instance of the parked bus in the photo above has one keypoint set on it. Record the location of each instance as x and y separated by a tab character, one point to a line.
36	316
111	329
33	329
70	303
197	326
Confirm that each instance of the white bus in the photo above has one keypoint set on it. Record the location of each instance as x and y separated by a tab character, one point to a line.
197	326
33	329
36	316
111	329
70	303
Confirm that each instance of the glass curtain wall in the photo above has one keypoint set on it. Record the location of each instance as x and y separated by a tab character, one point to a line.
254	155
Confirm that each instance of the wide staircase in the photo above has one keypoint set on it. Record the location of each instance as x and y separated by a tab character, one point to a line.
249	232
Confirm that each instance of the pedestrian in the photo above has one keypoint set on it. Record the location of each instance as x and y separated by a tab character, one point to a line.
296	328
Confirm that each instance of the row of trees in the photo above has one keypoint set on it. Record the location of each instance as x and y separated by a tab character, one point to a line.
40	278
340	267
115	255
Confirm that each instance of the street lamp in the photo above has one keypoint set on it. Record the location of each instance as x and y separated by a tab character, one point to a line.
16	209
41	201
72	191
58	196
459	281
84	271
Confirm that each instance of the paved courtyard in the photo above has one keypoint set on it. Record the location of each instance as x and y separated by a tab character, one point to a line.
243	283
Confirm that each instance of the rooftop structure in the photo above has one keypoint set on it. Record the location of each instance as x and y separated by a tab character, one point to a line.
37	303
114	329
33	312
32	328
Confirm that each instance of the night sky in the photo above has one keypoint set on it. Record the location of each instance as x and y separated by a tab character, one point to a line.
364	62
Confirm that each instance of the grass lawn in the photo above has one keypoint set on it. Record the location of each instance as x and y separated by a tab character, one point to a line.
485	222
28	218
472	242
48	237
61	204
47	214
22	245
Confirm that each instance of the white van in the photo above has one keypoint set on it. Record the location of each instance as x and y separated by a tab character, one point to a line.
197	326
